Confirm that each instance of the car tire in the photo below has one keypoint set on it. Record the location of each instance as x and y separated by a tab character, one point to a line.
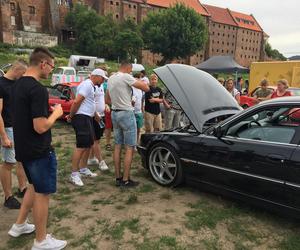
164	165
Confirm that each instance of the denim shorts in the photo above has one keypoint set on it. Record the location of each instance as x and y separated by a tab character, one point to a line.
41	173
8	154
125	130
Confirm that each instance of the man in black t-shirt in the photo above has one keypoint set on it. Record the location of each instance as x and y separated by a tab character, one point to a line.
32	135
153	98
6	133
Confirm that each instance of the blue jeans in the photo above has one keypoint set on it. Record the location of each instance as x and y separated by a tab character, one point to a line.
124	125
41	173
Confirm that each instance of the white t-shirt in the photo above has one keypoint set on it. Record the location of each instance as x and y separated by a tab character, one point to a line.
88	106
120	91
138	94
100	99
145	79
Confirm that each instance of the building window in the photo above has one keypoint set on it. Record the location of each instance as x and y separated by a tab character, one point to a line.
213	33
111	3
228	35
227	51
214	25
241	56
31	10
212	50
13	20
218	34
129	6
227	44
219	26
218	42
242	39
134	18
134	6
213	41
217	50
224	27
117	3
222	51
242	47
231	51
232	44
223	42
12	6
117	16
223	34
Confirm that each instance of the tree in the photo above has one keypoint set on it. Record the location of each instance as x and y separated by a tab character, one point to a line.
176	32
273	53
94	34
128	41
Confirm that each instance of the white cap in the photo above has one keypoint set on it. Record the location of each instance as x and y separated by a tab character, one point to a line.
99	72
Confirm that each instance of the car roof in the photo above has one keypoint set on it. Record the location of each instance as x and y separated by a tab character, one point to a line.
282	100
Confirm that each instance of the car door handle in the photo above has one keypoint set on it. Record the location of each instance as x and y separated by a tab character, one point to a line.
275	157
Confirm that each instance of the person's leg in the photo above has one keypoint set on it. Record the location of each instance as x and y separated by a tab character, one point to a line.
84	158
177	118
117	160
5	176
21	176
157	123
26	205
127	162
97	150
169	116
108	136
77	155
40	215
148	122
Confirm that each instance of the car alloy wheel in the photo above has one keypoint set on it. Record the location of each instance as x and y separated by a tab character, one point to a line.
163	165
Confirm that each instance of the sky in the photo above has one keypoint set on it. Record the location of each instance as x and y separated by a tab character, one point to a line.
280	19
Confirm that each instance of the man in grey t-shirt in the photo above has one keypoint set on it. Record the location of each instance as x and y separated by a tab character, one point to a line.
119	94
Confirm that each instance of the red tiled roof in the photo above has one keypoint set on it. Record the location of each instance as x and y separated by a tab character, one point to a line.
220	15
245	21
194	4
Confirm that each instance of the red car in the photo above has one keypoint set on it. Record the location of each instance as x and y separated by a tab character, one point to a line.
248	100
63	94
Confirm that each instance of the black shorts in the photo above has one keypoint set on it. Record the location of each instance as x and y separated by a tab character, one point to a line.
84	130
98	130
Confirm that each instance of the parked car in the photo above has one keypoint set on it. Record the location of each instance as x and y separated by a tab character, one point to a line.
252	155
247	101
63	94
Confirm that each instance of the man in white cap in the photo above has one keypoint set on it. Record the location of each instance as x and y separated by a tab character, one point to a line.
82	113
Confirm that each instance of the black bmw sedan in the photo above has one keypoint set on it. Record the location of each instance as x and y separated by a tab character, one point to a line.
253	154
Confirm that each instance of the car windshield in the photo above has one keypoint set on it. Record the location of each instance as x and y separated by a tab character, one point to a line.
54	92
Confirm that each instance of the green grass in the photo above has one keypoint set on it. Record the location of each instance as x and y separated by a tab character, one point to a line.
116	231
146	188
61	213
291	242
207	215
164	242
165	196
241	229
20	242
102	202
132	199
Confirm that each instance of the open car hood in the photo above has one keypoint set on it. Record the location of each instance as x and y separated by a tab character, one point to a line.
199	94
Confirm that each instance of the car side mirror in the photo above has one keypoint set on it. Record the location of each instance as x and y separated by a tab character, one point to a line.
218	132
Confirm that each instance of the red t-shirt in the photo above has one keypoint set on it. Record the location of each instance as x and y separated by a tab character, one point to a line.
274	95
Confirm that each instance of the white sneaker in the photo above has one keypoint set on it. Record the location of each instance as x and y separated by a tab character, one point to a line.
93	161
76	180
50	243
103	166
19	229
87	173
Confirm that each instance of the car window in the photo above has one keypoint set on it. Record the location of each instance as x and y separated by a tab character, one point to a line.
277	124
69	72
58	71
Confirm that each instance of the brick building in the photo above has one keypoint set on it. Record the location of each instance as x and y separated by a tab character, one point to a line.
42	22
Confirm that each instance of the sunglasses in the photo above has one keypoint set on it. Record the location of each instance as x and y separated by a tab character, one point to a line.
52	66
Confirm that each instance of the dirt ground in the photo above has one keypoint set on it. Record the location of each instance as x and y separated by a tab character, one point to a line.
102	216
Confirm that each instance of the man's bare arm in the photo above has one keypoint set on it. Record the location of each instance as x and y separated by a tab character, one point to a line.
6	142
141	85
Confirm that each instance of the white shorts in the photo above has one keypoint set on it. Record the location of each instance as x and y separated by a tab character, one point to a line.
8	154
